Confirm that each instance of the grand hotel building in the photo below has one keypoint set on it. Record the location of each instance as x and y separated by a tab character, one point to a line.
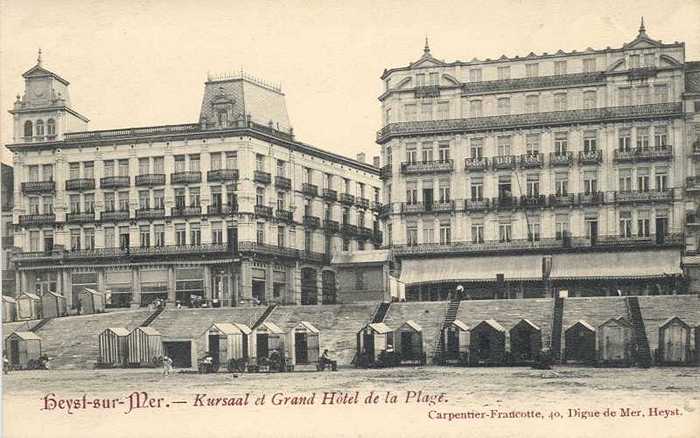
558	171
232	208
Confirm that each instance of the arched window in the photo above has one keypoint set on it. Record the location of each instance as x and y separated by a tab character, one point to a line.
51	127
40	128
28	129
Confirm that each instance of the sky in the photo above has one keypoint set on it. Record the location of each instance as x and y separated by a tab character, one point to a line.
144	63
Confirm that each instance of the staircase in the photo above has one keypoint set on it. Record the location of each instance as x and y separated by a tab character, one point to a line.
381	312
439	342
557	323
264	316
152	316
639	337
39	324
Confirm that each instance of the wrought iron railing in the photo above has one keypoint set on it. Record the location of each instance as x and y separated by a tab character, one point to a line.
187	177
114	182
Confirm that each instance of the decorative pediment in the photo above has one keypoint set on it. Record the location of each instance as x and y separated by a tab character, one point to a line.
405	82
642	41
616	66
451	78
427	59
669	60
38	71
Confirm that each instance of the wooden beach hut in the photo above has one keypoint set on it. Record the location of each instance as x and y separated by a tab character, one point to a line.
91	301
487	343
615	342
579	343
455	338
23	350
9	309
114	349
304	344
227	344
145	347
674	342
266	338
373	339
525	342
53	305
28	306
408	340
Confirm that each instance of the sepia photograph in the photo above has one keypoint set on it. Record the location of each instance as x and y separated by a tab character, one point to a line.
310	218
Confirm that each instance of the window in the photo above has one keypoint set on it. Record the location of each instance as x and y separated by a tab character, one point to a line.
259	163
625	224
194	163
643	180
503	146
624	140
561	226
109	237
40	128
475	75
427	152
74	170
47	172
215	160
505	233
180	235
533	186
434	78
124	201
660	137
124	237
643	138
158	199
444	152
625	180
476	146
387	116
28	130
445	234
179	163
410	112
346	215
643	224
308	211
559	67
428	233
532	104
477	190
88	170
346	245
259	196
194	197
144	166
661	179
411	195
532	144
144	198
108	168
561	184
160	235
477	233
444	193
34	241
634	61
280	200
328	212
195	235
389	158
590	141
560	103
503	106
503	73
426	110
74	204
308	241
411	153
420	80
123	167
179	198
231	198
360	281
589	65
34	205
443	110
260	233
232	160
33	173
48	240
590	182
308	175
649	60
412	235
661	93
624	96
389	235
222	117
75	240
145	236
533	231
561	143
89	203
217	233
643	95
475	108
158	165
48	204
532	70
589	99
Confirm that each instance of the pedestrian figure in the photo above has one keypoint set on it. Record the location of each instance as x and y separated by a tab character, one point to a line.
5	363
167	365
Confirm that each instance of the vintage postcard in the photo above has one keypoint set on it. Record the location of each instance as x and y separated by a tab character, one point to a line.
350	219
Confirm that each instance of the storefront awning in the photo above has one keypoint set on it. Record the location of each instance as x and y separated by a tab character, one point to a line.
471	269
622	265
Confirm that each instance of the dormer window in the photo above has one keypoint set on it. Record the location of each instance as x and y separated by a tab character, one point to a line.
589	65
634	61
434	79
532	70
503	73
420	80
223	118
649	60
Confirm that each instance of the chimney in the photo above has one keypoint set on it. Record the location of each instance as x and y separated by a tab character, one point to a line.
361	157
375	160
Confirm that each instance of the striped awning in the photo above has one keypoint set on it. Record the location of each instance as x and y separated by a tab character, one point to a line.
471	269
622	265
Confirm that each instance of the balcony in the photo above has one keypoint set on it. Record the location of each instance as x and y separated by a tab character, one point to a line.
376	206
503	162
114	216
284	216
363	203
377	238
427	91
504	202
331	226
364	233
441	207
568	200
222	210
37	219
590	157
348	230
79	218
312	221
385	210
152	179
561	159
314	257
692	184
189	177
270	250
407	208
476	164
347	199
534	201
39	187
222	175
428	166
80	184
330	195
309	189
476	204
262	177
114	182
207	248
263	211
532	161
186	211
593	198
283	183
385	172
664	153
150	213
627	197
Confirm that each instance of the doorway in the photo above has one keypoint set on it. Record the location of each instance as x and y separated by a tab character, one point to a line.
259	290
180	352
214	349
368	343
14	356
262	348
407	345
301	349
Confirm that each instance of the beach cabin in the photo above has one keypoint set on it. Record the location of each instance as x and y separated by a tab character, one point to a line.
9	309
113	347
408	340
304	343
266	338
145	347
487	344
579	343
91	301
23	350
53	305
28	306
227	344
674	342
455	338
525	342
615	342
372	340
